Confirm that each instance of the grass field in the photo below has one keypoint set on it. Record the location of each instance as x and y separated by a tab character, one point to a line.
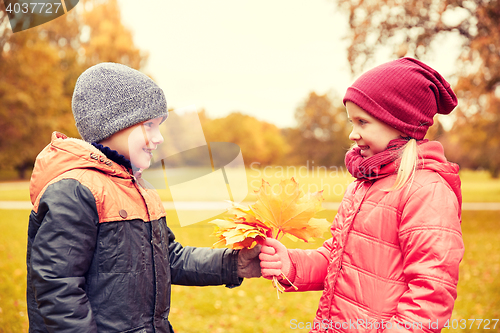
477	186
254	307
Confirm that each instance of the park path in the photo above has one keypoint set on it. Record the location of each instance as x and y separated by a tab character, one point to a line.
208	205
217	205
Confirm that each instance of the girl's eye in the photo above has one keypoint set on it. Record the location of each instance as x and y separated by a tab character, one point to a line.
362	122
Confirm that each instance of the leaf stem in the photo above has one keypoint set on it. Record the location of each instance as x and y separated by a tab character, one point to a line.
277	234
279	287
294	287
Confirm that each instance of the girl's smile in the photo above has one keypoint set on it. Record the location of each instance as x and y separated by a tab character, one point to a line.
370	134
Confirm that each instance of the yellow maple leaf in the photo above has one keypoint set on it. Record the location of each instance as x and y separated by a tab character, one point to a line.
289	211
286	211
242	214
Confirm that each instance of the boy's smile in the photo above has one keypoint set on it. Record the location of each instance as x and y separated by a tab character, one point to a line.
142	140
137	142
149	151
369	133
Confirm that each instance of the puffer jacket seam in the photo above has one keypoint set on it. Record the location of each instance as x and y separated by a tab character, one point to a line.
36	204
78	177
428	228
369	311
383	279
440	180
375	240
93	190
416	186
439	281
380	205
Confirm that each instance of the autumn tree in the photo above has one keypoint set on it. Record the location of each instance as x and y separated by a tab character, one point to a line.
411	28
321	136
260	142
31	95
39	68
106	38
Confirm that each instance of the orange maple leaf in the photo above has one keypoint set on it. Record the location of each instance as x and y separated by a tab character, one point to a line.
286	211
240	229
289	211
237	235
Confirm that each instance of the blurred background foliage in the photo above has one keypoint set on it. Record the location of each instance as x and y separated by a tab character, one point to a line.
39	68
410	28
38	71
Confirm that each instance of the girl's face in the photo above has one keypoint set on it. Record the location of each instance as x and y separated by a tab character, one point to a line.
137	142
369	133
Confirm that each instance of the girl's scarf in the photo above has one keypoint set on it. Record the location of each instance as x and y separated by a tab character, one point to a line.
371	167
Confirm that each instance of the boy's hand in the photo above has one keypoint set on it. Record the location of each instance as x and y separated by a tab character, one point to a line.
249	263
274	259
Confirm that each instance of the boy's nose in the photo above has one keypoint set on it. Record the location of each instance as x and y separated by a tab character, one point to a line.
157	138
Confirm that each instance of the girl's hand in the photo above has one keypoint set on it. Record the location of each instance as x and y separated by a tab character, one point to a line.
274	259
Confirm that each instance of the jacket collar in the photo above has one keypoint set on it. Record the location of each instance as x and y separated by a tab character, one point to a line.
63	154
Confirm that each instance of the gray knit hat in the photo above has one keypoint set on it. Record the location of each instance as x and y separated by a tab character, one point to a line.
109	97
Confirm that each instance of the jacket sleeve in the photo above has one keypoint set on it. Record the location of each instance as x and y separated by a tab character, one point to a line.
200	266
431	241
61	254
310	267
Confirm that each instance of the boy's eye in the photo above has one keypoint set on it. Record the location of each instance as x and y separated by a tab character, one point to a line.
148	124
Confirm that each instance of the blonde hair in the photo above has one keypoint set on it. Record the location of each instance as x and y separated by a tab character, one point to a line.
407	166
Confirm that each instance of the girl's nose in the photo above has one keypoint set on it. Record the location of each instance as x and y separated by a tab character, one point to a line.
354	135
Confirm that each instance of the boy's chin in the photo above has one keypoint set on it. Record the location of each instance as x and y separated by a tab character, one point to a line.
141	160
142	165
145	166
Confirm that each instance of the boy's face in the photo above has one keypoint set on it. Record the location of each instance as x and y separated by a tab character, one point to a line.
369	133
137	142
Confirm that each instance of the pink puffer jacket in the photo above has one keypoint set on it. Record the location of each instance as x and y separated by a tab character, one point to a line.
392	263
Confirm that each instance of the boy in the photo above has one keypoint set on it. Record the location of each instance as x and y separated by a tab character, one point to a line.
100	255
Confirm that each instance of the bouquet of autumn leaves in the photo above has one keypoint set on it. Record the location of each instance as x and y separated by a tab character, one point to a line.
286	211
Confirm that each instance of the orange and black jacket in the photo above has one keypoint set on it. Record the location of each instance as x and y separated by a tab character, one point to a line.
100	255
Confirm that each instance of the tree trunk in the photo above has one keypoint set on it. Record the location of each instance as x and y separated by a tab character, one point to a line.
21	169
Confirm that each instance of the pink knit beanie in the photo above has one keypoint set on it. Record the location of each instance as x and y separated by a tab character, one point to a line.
405	94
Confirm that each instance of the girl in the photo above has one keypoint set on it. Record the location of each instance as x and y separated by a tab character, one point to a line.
392	262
